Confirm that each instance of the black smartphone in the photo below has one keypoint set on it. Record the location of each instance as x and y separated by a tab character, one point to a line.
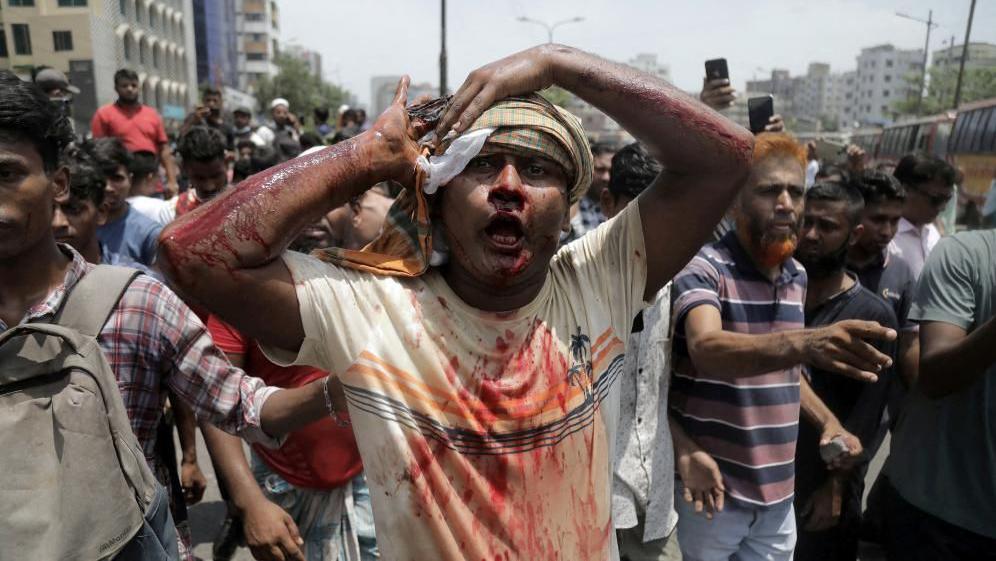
716	69
759	111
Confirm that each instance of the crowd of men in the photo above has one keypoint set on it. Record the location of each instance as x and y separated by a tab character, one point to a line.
503	342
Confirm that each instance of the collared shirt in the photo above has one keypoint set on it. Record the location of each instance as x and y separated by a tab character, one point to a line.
890	278
748	424
152	342
643	481
914	243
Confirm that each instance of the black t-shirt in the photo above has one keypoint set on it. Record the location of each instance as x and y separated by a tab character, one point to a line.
891	278
858	405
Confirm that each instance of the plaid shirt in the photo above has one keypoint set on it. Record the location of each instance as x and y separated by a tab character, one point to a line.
153	341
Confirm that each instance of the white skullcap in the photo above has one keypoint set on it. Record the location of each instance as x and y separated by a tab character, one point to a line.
279	101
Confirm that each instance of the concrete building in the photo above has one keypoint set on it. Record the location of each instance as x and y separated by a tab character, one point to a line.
980	55
216	43
312	58
257	27
647	62
90	40
885	76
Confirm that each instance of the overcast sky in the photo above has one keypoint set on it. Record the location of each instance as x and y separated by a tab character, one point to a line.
359	39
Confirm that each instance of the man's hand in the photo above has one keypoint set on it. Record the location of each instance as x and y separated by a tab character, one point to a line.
717	93
193	482
775	124
172	188
822	510
855	159
394	149
702	481
524	72
852	456
271	533
843	348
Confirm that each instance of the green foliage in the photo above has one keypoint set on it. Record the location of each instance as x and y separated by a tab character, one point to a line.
557	96
302	89
977	83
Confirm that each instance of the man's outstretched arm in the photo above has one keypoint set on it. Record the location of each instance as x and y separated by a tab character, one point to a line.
706	157
224	254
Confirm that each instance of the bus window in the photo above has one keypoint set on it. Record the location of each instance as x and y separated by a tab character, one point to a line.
974	127
989	143
980	142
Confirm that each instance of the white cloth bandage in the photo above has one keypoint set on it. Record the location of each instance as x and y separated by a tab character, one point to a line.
439	170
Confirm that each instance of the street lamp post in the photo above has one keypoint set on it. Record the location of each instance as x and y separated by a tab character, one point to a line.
964	55
442	51
549	28
926	46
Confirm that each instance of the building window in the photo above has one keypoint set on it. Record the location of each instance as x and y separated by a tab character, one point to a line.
254	16
72	3
3	43
143	52
22	38
885	109
888	78
21	3
122	6
885	93
127	47
62	40
255	56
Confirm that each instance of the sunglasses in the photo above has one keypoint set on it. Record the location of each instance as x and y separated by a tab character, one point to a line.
935	200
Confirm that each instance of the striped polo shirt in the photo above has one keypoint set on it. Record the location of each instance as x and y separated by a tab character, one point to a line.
749	424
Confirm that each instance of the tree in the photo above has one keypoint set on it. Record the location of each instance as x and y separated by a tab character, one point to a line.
302	89
557	96
977	83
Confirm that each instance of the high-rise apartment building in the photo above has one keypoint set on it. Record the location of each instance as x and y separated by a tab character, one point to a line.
257	25
90	40
885	76
980	55
217	43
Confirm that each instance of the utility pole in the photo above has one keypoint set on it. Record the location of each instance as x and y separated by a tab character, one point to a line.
964	56
926	47
442	52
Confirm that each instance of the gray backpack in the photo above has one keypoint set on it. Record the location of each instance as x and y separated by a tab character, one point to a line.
74	483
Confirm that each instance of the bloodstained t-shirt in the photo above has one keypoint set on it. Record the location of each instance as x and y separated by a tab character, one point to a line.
483	435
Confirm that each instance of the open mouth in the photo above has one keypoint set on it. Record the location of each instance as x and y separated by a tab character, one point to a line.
505	231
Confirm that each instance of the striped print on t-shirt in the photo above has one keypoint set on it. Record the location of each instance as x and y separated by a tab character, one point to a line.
748	424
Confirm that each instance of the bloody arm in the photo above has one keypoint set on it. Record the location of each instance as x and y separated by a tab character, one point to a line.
706	157
224	253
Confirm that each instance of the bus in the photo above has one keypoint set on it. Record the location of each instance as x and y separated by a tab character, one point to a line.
868	139
972	147
926	135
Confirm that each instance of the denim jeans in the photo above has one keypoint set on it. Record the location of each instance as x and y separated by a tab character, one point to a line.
156	539
741	532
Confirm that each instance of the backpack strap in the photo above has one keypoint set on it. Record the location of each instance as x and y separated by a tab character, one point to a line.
90	303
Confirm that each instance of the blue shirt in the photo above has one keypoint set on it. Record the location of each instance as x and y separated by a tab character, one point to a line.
134	236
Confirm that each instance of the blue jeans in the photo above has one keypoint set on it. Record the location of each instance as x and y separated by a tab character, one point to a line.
156	539
741	532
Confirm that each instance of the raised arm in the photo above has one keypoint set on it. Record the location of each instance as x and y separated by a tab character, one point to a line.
706	157
224	254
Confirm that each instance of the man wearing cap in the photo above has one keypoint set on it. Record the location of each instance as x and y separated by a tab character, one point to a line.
283	132
478	361
137	125
57	87
243	128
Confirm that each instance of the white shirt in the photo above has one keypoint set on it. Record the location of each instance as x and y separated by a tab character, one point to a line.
643	479
162	212
914	244
812	168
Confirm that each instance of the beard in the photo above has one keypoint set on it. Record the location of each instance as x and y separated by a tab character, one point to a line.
768	250
822	266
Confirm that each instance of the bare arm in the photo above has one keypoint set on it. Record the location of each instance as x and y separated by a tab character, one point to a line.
270	532
838	348
820	416
191	478
909	357
699	472
225	252
951	359
706	156
169	164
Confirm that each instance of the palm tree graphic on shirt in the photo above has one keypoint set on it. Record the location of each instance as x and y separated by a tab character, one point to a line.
580	374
